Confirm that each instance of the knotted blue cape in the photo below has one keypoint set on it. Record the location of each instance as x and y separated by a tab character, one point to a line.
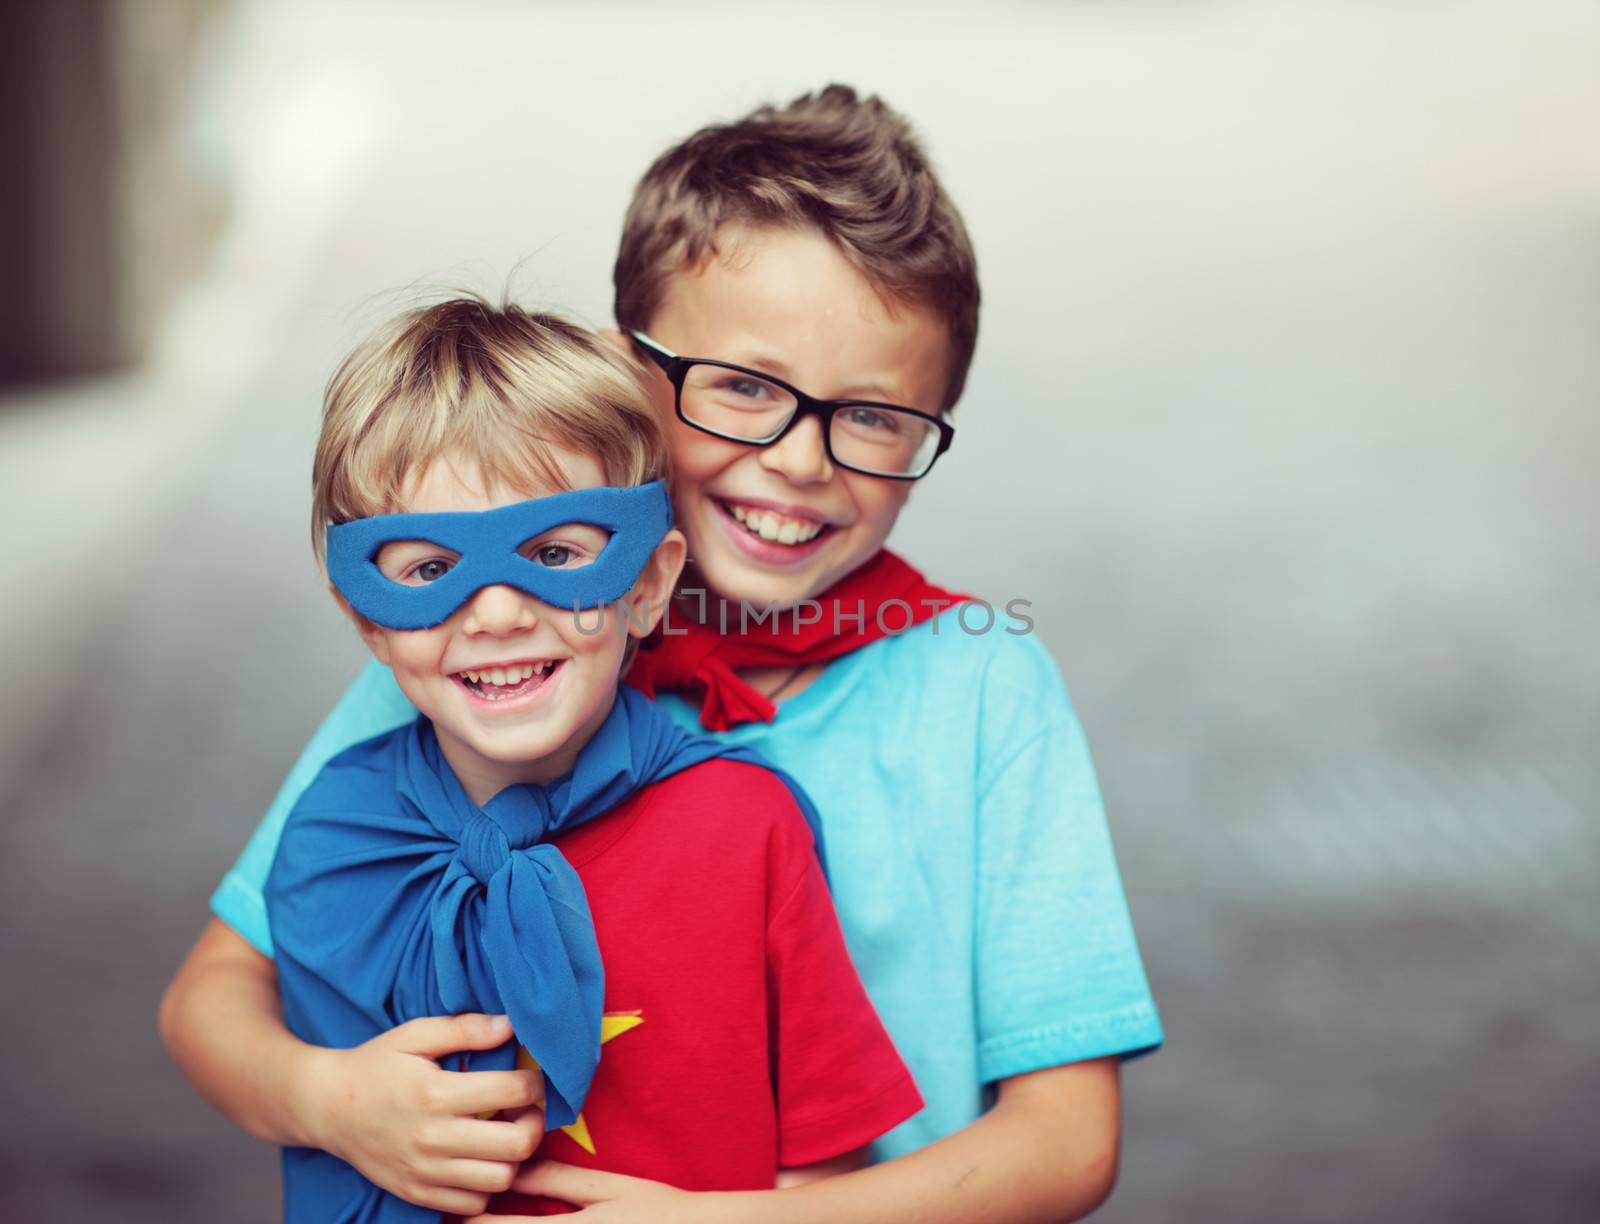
393	896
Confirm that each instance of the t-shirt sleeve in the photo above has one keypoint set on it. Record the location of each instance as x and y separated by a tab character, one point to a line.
1059	978
372	705
838	1081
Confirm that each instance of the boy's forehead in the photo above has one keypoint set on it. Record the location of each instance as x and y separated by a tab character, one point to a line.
456	481
787	300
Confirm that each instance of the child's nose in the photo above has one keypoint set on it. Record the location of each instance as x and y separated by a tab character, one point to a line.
500	610
799	456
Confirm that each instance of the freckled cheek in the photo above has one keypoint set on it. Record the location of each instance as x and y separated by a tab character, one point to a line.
420	653
599	642
879	503
688	456
697	457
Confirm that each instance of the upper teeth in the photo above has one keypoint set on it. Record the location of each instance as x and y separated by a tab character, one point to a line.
771	527
514	674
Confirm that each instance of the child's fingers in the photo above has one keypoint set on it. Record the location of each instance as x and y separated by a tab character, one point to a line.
466	1203
436	1036
507	1142
476	1092
484	1176
529	1123
570	1184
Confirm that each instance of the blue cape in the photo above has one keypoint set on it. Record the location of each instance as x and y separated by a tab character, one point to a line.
393	896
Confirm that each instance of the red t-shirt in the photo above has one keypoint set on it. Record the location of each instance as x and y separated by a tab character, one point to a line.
738	1038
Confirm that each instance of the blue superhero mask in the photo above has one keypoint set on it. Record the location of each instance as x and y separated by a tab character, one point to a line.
487	543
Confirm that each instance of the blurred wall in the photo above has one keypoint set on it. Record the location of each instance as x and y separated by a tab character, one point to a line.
107	209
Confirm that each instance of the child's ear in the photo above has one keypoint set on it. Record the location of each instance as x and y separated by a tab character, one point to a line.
647	601
370	633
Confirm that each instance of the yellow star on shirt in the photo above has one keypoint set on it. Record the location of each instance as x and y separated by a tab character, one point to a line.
612	1024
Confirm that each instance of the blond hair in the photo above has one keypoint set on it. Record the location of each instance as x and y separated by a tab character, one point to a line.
496	385
849	168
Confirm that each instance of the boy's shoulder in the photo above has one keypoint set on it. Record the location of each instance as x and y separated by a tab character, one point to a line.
945	698
353	799
721	808
725	792
973	648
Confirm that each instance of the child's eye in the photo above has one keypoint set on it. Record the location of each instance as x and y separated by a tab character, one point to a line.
431	570
868	419
565	547
746	388
553	555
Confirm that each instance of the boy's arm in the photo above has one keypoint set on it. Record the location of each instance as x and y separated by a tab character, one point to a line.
1046	1152
385	1106
222	1023
847	1163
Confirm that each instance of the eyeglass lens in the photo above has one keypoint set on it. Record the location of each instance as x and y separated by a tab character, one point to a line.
738	404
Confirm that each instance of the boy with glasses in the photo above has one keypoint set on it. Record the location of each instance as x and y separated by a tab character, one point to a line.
812	247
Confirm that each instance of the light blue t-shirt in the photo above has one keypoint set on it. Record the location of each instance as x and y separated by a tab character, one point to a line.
967	848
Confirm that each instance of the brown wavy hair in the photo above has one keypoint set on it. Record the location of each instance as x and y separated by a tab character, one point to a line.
846	166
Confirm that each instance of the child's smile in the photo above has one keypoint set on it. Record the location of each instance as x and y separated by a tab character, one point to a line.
504	685
780	523
513	687
774	534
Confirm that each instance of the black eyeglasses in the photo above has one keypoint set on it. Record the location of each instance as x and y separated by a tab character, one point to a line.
742	405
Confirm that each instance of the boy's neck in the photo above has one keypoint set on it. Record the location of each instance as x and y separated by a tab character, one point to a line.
484	777
775	683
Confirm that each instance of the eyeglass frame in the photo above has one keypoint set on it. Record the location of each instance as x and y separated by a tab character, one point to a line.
676	369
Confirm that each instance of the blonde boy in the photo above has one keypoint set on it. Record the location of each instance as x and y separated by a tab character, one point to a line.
488	483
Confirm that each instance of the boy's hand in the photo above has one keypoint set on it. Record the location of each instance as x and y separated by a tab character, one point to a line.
605	1197
387	1108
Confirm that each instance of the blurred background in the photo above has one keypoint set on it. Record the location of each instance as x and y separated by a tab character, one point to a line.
1285	416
